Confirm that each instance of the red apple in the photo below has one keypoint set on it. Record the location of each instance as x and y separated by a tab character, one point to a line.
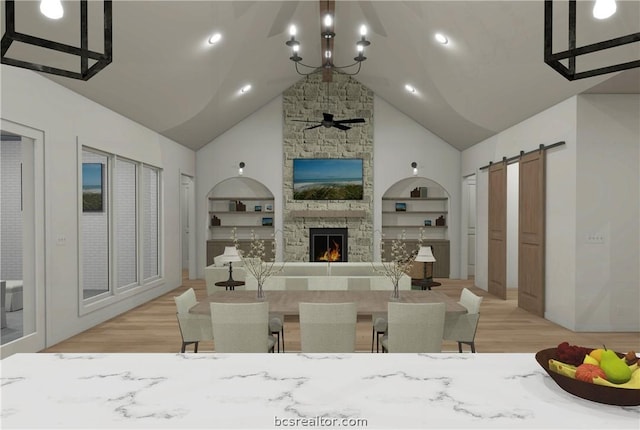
586	372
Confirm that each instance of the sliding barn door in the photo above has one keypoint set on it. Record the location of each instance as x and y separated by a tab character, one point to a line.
498	230
531	245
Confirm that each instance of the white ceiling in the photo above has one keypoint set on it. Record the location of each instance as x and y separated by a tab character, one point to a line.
491	75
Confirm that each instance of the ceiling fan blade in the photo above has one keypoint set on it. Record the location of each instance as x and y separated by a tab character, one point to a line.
341	127
302	120
313	126
349	121
327	116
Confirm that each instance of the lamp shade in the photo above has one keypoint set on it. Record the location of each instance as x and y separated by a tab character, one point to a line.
230	254
425	255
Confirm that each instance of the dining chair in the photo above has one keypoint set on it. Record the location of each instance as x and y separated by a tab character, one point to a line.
462	328
378	320
328	327
241	327
193	328
414	327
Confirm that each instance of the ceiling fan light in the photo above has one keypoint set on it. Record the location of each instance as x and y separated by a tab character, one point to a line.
441	38
359	47
328	20
296	47
603	9
327	54
52	9
215	38
293	30
363	30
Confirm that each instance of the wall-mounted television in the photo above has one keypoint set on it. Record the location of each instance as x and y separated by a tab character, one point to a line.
327	179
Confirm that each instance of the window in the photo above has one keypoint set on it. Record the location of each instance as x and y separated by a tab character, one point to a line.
120	228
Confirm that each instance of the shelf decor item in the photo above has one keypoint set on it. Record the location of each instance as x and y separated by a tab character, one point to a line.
427	223
423	192
441	221
401	207
215	221
398	266
267	221
268	208
257	208
415	192
240	207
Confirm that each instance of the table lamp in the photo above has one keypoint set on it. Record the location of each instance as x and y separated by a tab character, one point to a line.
230	255
425	256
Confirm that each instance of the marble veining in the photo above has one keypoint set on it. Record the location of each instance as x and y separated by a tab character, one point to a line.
206	390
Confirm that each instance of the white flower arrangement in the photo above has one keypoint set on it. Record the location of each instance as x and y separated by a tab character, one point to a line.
400	262
254	258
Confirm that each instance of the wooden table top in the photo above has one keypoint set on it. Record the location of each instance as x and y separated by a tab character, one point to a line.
286	302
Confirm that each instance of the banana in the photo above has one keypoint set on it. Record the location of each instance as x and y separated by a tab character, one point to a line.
633	383
562	368
570	371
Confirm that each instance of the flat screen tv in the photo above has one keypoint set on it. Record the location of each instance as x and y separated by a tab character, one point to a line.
327	179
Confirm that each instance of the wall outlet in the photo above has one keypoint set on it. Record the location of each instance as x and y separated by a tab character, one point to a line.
595	238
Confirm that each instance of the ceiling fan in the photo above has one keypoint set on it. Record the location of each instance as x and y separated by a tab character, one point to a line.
329	122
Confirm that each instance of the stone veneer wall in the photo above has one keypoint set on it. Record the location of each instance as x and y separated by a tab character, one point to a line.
345	98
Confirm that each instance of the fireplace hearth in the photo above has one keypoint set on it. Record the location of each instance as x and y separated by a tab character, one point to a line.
328	244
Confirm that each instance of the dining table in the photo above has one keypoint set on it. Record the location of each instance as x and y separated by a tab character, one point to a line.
368	302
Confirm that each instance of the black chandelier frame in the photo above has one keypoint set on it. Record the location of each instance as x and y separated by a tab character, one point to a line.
85	54
570	73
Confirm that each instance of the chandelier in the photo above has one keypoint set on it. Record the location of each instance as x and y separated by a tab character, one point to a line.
602	10
327	39
90	62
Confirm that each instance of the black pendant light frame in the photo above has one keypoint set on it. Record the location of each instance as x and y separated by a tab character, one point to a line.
574	52
86	72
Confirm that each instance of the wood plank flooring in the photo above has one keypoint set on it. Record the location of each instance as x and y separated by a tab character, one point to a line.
503	327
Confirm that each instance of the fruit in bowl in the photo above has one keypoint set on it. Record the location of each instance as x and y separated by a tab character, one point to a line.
585	379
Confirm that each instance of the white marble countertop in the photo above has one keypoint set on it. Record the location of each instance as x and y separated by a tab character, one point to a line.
203	390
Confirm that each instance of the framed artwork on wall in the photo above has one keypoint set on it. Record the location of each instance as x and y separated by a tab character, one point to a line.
92	187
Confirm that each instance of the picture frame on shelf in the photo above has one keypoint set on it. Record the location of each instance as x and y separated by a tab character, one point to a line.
268	208
257	208
267	221
427	223
401	207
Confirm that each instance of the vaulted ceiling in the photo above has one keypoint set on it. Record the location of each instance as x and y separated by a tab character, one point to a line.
490	76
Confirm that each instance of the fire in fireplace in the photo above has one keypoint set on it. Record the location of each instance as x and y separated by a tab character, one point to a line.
328	244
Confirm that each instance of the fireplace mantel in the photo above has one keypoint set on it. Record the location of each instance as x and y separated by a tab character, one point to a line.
328	214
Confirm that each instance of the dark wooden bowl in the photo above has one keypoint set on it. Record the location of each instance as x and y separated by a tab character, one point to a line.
587	390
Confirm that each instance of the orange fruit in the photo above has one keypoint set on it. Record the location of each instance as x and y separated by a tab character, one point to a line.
597	354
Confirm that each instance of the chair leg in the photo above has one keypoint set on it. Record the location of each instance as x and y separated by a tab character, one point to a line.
282	336
373	335
460	347
473	346
277	339
195	348
184	346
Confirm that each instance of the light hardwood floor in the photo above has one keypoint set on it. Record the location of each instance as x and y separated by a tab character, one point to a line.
503	327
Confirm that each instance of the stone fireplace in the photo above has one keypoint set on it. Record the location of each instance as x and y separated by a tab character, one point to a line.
328	244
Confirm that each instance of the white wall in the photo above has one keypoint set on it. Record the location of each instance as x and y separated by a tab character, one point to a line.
257	140
398	140
557	123
608	173
66	117
592	190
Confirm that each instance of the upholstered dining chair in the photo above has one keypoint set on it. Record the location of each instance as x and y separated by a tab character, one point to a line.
328	327
462	328
378	320
193	328
241	327
414	327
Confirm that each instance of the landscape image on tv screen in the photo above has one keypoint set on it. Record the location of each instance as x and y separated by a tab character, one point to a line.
327	179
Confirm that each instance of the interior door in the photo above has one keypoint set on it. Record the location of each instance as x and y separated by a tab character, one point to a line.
497	255
531	234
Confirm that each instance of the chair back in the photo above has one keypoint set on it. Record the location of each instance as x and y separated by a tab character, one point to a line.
193	327
470	301
240	327
185	301
415	327
359	284
328	327
296	284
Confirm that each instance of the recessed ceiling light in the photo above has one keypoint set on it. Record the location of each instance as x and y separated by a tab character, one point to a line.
215	38
603	9
52	9
245	88
441	38
410	88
